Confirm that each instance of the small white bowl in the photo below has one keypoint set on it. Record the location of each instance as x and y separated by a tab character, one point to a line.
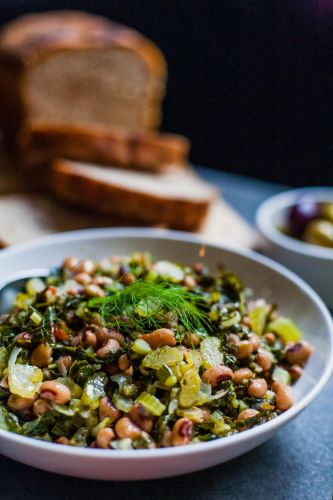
268	279
312	262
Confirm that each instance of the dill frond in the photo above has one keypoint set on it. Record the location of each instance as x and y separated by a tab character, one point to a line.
144	305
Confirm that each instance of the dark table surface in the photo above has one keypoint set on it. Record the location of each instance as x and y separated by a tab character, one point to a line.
297	463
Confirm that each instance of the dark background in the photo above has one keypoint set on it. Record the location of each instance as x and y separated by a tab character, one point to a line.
250	81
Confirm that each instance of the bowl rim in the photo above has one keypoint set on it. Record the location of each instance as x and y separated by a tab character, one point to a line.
160	453
283	200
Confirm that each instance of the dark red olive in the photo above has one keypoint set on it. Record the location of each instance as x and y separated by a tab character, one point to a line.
305	210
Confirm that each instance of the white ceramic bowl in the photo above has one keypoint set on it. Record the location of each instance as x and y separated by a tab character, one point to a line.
267	279
314	263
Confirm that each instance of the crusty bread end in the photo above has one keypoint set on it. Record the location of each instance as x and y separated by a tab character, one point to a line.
41	142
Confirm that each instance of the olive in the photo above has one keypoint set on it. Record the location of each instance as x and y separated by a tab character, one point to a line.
327	211
304	211
319	232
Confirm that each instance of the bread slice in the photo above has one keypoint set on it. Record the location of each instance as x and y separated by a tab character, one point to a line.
40	142
75	67
27	216
175	197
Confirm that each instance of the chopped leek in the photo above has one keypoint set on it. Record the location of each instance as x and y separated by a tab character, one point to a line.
286	328
210	352
151	404
169	356
94	390
189	388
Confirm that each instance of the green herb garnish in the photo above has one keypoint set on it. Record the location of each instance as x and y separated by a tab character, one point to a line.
143	306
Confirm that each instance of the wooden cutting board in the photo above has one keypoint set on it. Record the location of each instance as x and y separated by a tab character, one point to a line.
25	215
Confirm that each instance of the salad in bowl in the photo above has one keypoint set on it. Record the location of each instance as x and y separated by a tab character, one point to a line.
137	353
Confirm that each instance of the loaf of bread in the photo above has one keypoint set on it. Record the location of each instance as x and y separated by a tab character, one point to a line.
14	180
73	67
40	142
175	198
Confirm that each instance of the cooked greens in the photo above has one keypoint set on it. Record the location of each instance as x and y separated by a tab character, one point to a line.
133	353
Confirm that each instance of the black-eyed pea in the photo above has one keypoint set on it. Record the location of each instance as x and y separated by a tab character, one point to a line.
83	278
119	337
217	374
295	371
257	388
50	294
104	437
62	440
159	338
246	414
123	362
141	417
198	268
299	352
270	338
102	281
206	413
129	371
75	290
191	340
41	356
18	403
246	321
71	263
23	338
264	359
55	391
244	349
97	321
126	428
104	334
88	337
283	396
127	279
254	340
40	407
110	346
92	290
86	266
242	375
233	339
107	410
181	432
189	282
64	363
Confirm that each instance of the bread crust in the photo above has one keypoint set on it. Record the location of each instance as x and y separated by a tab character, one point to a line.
39	143
28	39
103	197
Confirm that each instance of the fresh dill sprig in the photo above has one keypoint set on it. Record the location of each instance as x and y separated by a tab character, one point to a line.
145	305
